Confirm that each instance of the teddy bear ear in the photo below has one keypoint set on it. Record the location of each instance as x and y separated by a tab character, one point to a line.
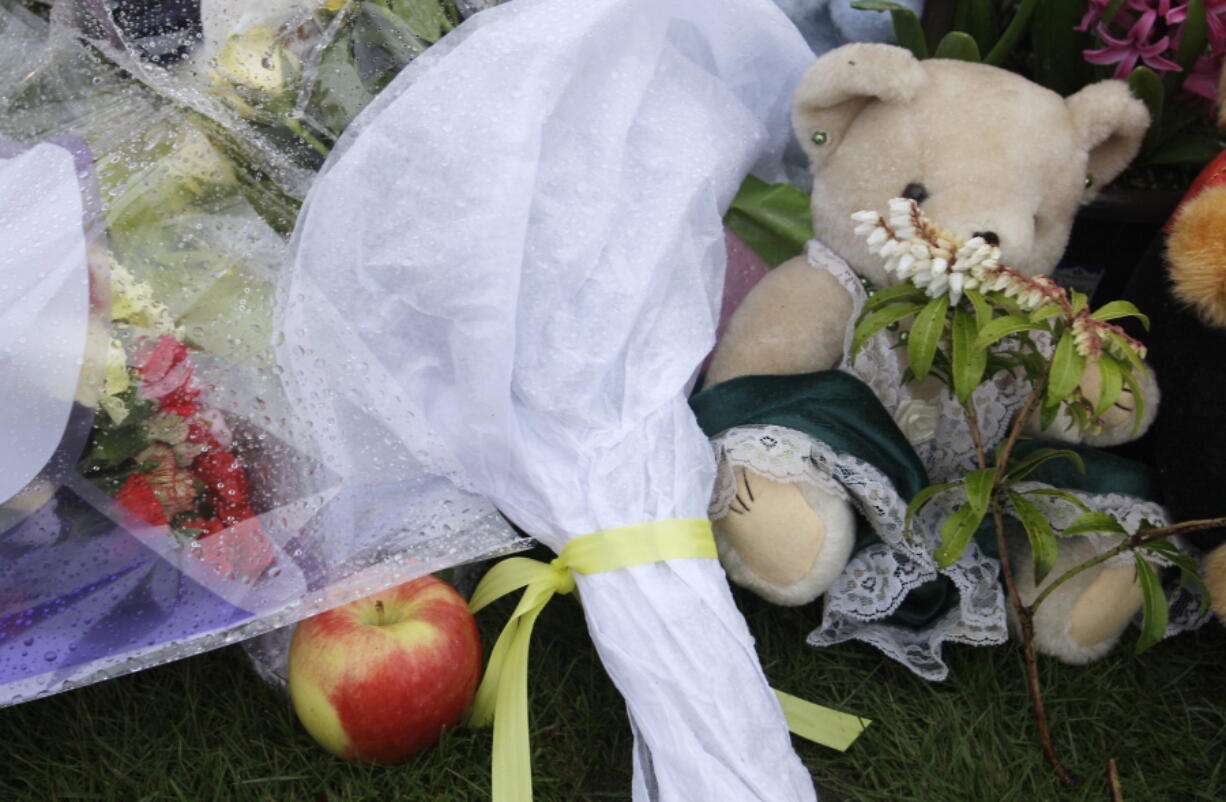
1110	123
841	83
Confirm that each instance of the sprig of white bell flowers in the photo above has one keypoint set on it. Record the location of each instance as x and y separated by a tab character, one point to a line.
939	262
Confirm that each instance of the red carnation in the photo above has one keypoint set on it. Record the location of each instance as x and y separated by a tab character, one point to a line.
137	497
166	376
226	479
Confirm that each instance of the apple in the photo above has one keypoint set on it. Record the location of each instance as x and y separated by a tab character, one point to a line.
377	680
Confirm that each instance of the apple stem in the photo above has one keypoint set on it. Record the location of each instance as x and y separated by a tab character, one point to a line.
379	611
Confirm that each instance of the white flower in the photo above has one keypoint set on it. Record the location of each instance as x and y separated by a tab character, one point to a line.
918	420
956	283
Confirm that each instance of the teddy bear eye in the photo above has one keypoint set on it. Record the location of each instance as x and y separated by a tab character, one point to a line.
916	192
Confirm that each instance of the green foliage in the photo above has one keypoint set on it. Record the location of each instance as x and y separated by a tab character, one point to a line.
1039	40
925	336
958	46
968	359
1040	534
908	32
1154	613
772	219
956	532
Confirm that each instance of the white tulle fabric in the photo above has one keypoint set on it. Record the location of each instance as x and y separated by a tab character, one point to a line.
879	577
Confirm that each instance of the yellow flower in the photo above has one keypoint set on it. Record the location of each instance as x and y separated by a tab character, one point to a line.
253	67
115	382
132	302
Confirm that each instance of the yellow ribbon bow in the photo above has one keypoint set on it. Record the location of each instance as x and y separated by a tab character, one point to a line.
503	695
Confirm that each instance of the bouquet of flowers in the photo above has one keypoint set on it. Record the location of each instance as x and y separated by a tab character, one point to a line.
180	496
157	447
284	77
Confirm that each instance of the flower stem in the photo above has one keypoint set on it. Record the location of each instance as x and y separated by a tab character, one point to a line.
306	136
1130	543
1025	617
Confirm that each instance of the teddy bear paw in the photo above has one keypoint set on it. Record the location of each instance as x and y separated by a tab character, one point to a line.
786	541
1083	618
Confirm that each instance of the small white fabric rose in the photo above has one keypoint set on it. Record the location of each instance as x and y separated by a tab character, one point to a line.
918	420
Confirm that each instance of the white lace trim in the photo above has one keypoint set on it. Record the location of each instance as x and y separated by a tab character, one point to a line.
877	579
947	449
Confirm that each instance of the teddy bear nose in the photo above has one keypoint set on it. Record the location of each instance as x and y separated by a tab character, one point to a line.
990	237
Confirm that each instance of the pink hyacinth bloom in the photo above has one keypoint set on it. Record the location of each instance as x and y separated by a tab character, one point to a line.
1094	12
1202	80
1215	18
1135	46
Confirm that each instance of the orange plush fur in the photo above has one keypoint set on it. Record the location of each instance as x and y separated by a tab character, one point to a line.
1196	264
1196	255
1215	579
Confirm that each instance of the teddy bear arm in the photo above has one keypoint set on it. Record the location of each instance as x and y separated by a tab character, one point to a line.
1119	421
792	322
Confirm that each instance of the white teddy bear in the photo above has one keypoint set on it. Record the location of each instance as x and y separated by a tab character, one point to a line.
819	454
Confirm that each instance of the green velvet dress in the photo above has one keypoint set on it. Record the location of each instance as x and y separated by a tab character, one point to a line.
860	434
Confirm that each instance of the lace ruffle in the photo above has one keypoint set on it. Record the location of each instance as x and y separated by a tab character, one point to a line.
878	578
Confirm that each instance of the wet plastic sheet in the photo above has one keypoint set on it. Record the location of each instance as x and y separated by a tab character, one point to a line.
534	283
146	219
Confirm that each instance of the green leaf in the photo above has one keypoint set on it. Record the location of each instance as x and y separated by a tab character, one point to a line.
870	324
339	92
1012	34
1047	415
956	532
979	488
1154	617
1147	87
983	310
922	497
773	219
958	46
1189	571
1002	327
1192	39
1046	311
908	32
969	359
1067	367
1093	522
1063	495
896	293
926	335
1111	382
1118	309
1185	148
1057	47
978	19
1042	539
1022	468
1134	386
425	18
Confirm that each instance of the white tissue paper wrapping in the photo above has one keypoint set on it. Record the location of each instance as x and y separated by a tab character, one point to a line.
44	308
523	232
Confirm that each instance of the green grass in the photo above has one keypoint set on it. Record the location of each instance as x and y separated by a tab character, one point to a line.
207	729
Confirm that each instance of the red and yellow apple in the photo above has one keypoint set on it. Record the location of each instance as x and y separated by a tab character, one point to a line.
377	680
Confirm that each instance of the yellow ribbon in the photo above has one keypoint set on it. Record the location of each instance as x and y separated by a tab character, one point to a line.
503	694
